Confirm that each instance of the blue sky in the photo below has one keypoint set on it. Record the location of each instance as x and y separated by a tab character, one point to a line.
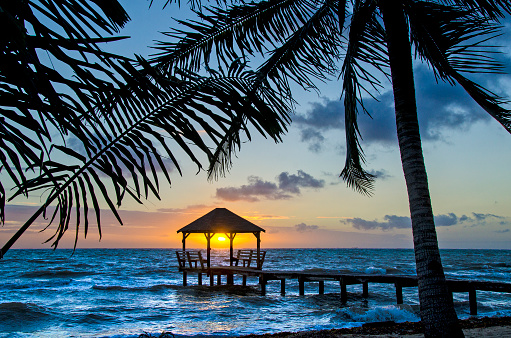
293	189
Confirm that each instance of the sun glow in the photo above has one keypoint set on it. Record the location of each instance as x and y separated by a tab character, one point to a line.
221	239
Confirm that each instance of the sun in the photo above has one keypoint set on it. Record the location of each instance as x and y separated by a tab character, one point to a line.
221	239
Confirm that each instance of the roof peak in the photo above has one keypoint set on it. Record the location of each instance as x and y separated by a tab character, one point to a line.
221	220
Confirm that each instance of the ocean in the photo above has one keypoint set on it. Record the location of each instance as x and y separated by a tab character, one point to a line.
128	292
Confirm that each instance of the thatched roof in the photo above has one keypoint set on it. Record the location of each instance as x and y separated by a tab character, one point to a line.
221	220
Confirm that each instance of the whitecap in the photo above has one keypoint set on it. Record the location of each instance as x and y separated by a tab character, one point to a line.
375	271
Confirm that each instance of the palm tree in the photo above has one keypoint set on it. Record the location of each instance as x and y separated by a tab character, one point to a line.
303	41
82	127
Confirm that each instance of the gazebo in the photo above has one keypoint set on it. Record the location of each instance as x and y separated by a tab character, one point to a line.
221	220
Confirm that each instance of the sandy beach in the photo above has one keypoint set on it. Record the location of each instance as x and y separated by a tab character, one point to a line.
473	327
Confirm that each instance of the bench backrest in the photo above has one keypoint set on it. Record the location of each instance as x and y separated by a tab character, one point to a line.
244	254
190	259
246	257
181	259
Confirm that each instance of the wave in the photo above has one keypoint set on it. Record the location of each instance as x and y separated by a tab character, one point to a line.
18	285
23	317
157	287
375	271
378	270
395	313
56	273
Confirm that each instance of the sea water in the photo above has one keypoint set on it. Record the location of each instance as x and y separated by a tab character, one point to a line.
128	292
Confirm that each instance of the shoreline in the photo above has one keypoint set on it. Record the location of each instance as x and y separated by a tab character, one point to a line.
472	327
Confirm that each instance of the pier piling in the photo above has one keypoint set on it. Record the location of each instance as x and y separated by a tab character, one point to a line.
344	279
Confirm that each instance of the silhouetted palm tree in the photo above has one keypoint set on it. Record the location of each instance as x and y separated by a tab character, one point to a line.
79	125
304	41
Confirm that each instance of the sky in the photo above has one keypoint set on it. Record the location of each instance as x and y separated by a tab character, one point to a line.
292	189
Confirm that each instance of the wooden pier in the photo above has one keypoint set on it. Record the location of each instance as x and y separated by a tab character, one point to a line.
344	279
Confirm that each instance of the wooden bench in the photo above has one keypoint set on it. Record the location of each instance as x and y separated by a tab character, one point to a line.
190	260
247	256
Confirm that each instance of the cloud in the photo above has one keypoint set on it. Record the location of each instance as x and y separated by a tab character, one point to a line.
293	183
302	227
265	217
390	222
441	107
252	192
314	138
404	222
483	217
287	186
401	222
502	231
446	220
196	208
381	174
480	218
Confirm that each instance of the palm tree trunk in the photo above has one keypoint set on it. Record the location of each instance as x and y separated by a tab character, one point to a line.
437	308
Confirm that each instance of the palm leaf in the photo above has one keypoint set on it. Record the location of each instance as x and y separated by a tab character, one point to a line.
365	47
456	44
241	29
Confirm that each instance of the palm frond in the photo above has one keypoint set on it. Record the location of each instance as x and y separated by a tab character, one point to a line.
365	47
311	52
264	108
244	30
491	9
175	109
491	103
452	40
35	96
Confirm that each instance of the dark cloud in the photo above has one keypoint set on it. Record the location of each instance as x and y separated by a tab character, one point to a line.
441	107
302	227
286	187
502	231
446	220
403	222
293	183
390	222
252	192
381	174
483	217
314	138
480	218
362	224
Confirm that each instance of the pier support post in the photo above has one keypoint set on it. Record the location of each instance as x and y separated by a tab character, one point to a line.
211	279
185	278
230	279
199	278
301	286
365	289
399	293
344	292
262	282
321	287
283	286
244	280
472	297
219	279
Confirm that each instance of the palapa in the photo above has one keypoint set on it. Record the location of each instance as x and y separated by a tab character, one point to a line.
222	220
